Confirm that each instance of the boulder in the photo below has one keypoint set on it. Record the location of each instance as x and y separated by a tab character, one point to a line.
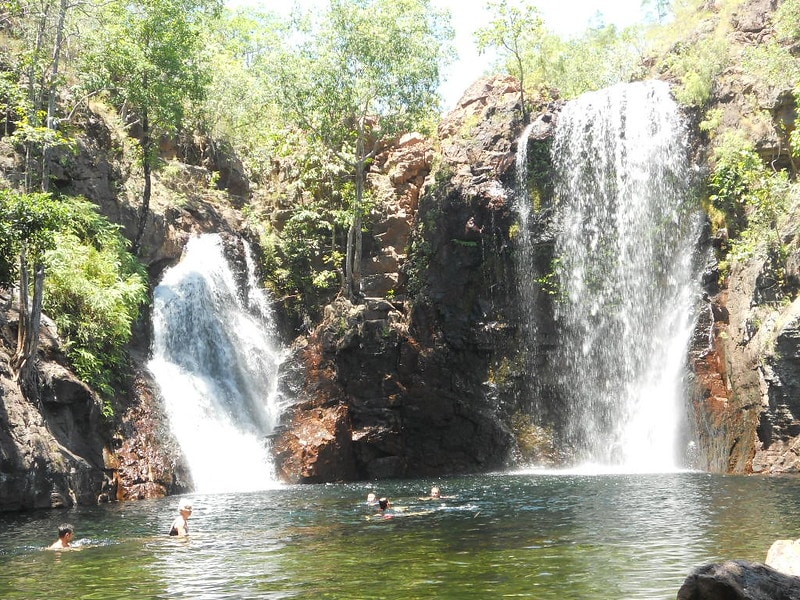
739	580
784	556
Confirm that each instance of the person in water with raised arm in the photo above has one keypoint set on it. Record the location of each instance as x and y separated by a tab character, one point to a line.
180	526
65	534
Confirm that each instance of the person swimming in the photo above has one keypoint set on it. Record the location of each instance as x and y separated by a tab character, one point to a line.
65	535
436	494
180	526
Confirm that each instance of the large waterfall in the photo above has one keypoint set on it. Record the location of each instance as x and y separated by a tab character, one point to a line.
624	260
215	359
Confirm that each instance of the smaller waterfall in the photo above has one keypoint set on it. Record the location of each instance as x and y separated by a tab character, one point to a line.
523	200
216	361
528	286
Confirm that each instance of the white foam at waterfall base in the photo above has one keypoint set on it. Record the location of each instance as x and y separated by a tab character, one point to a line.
216	361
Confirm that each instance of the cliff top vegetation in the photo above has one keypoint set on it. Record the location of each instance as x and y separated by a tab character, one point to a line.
306	102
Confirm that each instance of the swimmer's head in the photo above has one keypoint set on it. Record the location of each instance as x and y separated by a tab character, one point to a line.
383	503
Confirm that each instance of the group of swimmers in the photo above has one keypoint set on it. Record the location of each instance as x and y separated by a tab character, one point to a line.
179	527
384	504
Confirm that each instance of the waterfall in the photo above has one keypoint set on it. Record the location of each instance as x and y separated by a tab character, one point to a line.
522	194
624	251
215	359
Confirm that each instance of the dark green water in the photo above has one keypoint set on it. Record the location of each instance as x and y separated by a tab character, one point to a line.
504	536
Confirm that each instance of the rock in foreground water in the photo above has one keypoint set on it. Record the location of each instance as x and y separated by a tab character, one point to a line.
739	580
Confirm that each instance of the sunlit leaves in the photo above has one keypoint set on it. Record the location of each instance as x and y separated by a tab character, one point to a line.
29	221
147	54
95	289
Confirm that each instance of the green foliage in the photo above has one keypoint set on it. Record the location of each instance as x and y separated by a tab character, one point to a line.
771	62
240	105
28	224
303	260
514	32
737	168
95	290
698	65
787	20
712	120
549	282
13	105
753	199
602	56
148	55
376	58
366	71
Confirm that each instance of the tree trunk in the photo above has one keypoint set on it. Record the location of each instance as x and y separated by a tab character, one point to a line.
51	92
522	89
30	316
358	219
352	261
23	325
147	149
34	98
347	284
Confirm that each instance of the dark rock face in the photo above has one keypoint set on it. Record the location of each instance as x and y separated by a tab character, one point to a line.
146	458
739	580
746	356
51	448
408	376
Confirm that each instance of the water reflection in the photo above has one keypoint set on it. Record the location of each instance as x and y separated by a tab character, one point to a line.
523	535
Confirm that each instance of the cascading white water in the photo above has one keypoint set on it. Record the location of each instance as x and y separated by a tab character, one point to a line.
522	194
215	360
625	263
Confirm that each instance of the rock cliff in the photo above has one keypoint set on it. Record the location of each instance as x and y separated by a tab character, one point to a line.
427	376
407	373
745	355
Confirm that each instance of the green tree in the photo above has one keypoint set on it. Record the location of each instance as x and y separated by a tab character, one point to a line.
95	289
515	30
601	57
366	71
148	54
28	224
41	29
239	108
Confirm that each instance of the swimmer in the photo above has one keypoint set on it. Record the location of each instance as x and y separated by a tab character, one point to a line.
65	534
371	498
180	526
383	507
436	494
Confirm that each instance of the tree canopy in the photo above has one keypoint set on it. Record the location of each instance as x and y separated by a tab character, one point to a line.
147	55
357	77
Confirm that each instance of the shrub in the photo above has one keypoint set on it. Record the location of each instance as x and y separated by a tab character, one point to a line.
94	291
